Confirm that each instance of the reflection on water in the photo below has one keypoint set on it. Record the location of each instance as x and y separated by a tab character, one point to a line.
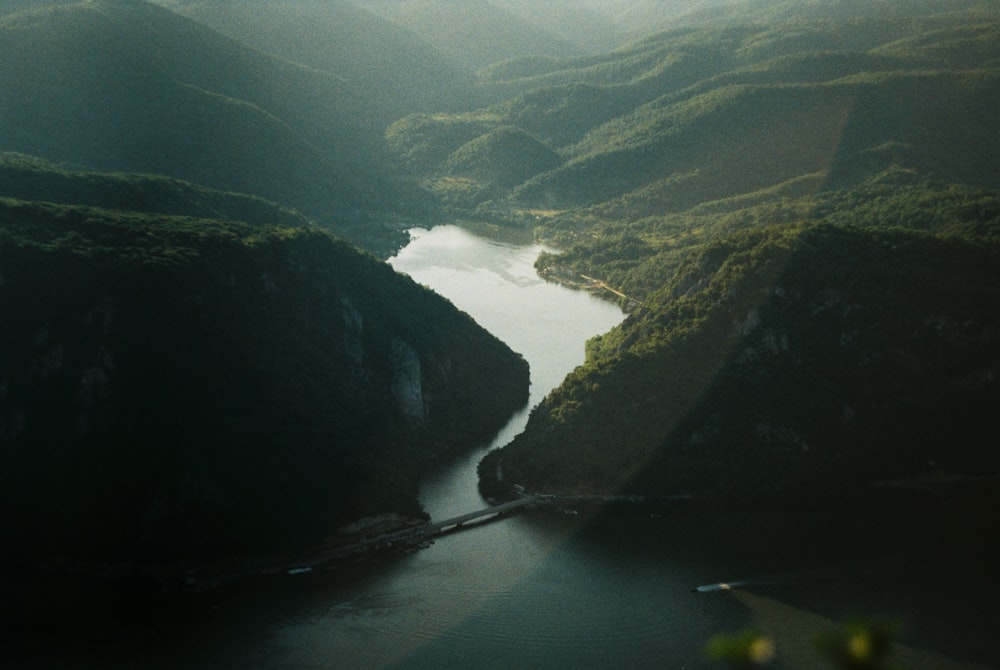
497	284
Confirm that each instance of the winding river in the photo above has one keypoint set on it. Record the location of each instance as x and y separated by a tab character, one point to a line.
521	593
540	591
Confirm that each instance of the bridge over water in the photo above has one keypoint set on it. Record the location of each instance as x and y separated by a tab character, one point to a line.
428	531
441	527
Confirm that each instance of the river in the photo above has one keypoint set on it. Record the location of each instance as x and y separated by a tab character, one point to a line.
522	592
545	590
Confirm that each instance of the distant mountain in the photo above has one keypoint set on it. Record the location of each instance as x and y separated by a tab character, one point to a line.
132	87
176	390
698	114
589	29
391	68
13	6
741	139
474	33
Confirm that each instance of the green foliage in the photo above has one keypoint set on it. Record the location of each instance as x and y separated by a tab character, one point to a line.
504	157
395	72
782	200
748	649
132	87
178	389
856	645
791	360
26	178
476	32
721	110
422	142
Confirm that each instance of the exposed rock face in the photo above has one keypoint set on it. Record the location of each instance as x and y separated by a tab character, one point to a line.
248	390
813	361
407	384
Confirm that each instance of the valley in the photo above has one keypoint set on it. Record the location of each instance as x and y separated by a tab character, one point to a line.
211	355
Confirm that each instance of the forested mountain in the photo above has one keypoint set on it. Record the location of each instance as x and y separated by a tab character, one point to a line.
807	358
395	71
191	369
175	389
472	32
132	87
699	114
804	215
12	6
31	179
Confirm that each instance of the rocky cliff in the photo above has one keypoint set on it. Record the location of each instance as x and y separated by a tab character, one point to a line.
181	389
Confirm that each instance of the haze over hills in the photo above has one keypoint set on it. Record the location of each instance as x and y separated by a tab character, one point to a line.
392	68
475	33
133	87
700	114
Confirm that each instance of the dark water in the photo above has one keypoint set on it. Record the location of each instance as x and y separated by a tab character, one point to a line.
595	590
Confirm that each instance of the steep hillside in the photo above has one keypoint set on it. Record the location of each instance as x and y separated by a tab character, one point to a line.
176	389
641	17
804	361
587	28
805	233
390	67
739	139
718	110
128	86
13	6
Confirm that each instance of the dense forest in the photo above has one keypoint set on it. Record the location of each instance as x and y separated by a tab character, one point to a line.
116	86
799	200
803	215
800	207
189	370
182	388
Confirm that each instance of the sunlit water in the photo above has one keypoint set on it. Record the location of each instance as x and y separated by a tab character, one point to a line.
496	283
520	593
532	592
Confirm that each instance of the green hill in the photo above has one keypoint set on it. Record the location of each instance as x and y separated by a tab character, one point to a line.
391	68
131	87
806	233
803	361
26	178
717	110
175	390
744	138
503	157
